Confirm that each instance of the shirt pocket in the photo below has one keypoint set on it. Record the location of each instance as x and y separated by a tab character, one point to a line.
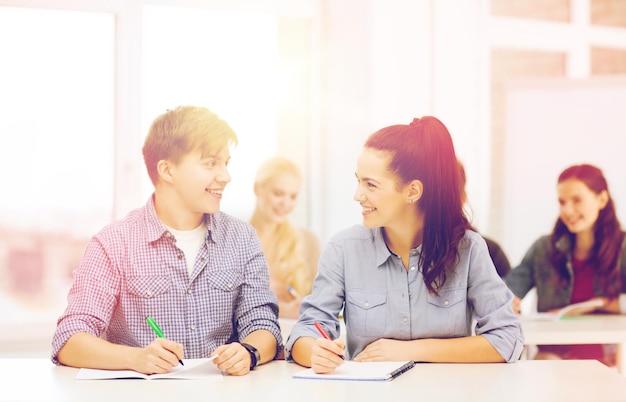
447	313
225	281
222	295
148	287
148	294
366	312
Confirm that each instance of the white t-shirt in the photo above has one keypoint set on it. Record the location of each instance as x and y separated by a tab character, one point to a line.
189	241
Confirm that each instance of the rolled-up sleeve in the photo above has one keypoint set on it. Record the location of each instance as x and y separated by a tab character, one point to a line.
492	301
258	307
325	301
91	298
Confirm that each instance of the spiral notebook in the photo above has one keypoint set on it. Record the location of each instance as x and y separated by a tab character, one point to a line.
361	371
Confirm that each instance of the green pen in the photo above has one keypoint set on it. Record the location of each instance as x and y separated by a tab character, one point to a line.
157	330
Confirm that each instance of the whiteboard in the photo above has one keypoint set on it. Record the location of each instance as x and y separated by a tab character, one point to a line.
550	125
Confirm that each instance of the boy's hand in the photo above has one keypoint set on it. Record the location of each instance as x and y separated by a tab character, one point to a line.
233	359
158	357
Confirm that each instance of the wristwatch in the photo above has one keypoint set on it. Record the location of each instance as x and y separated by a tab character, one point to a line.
255	356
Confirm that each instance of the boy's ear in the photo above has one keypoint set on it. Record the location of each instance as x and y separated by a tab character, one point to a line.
164	169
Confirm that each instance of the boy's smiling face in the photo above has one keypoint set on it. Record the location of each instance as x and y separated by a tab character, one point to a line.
200	179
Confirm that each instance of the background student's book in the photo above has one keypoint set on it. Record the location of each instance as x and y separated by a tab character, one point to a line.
569	310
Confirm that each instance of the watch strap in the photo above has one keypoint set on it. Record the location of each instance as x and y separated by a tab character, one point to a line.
255	356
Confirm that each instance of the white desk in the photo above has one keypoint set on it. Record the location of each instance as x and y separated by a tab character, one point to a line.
527	380
583	329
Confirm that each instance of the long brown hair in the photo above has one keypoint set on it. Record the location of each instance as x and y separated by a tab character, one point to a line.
607	232
423	150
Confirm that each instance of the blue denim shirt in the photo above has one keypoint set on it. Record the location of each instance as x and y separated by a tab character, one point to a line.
554	290
382	299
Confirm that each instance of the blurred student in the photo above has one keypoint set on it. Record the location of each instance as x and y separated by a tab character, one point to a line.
291	252
415	276
582	259
499	258
199	273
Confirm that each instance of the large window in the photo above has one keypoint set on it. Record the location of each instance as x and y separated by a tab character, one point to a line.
222	60
56	125
78	92
539	40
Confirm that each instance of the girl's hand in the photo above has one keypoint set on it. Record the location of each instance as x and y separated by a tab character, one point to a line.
610	306
383	350
289	309
325	355
516	304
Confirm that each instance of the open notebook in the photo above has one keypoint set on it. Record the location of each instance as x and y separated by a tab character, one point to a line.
194	369
361	371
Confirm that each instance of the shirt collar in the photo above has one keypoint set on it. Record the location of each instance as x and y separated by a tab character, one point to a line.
382	251
155	229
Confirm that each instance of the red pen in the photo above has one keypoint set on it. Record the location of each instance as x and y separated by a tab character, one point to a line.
322	331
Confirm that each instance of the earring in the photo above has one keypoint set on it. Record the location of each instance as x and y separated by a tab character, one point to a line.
411	200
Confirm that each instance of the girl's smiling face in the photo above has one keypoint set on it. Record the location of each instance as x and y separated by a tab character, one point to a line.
278	197
383	200
579	206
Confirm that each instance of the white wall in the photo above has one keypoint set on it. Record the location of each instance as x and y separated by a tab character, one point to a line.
381	68
552	124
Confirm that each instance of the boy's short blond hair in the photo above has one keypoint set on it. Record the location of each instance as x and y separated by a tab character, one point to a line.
182	130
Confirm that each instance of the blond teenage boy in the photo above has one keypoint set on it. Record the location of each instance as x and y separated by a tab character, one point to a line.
199	273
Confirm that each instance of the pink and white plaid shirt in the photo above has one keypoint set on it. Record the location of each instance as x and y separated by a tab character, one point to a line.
132	269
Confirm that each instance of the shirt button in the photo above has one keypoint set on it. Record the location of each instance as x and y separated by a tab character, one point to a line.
412	268
405	319
180	256
149	293
445	303
410	294
367	304
229	286
192	327
188	291
202	259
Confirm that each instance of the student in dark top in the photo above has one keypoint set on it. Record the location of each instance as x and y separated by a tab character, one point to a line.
582	259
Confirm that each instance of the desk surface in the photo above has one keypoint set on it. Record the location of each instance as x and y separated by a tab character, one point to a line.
593	328
529	380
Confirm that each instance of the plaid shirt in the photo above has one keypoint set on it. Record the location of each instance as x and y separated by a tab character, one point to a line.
132	269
